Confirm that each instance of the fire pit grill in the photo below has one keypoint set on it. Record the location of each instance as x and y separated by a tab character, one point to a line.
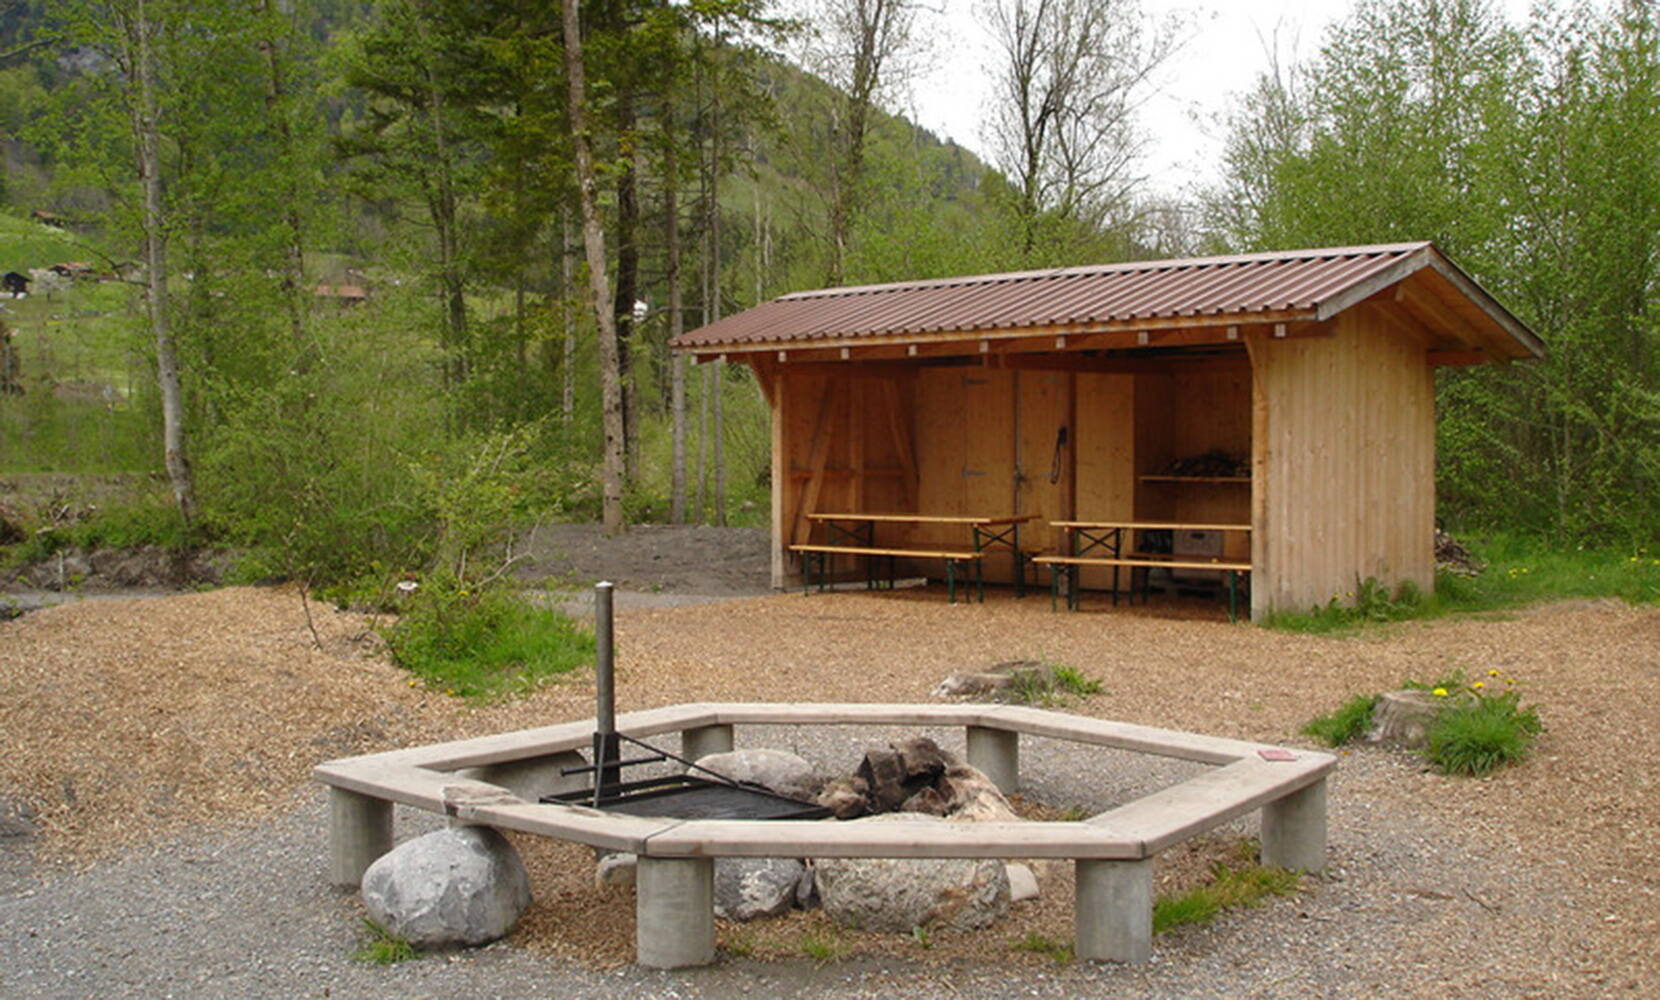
708	795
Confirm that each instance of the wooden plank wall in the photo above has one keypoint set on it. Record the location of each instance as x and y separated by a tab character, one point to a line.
1346	467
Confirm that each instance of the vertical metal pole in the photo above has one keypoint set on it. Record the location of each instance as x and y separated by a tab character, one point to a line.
606	744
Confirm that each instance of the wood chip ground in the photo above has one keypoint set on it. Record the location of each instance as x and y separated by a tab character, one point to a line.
127	720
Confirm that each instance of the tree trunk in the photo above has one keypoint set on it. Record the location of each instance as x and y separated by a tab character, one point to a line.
593	241
677	361
145	135
567	269
296	297
628	277
716	382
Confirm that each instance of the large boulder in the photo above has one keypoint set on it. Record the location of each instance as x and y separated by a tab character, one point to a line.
778	771
972	797
462	886
752	888
899	894
1404	718
1002	682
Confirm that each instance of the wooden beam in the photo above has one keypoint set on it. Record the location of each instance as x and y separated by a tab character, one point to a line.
1121	365
822	426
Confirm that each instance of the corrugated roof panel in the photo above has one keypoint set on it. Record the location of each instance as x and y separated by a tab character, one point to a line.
1296	281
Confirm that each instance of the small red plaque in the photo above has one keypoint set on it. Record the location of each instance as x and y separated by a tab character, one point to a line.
1275	753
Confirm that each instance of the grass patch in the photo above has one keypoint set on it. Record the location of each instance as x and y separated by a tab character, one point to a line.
485	646
121	527
1476	735
1043	944
822	946
1345	725
381	947
1055	686
1520	570
1229	888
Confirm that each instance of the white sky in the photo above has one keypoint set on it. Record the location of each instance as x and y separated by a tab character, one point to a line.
1228	45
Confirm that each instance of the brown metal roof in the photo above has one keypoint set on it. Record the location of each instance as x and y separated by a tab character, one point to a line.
1290	285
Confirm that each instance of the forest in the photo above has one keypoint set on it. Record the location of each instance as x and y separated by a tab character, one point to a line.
361	285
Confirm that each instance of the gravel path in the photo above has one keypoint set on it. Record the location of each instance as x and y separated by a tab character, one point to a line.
1539	881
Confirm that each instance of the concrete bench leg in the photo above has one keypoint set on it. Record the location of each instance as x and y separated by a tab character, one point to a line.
997	753
702	741
1294	830
360	830
674	924
1113	915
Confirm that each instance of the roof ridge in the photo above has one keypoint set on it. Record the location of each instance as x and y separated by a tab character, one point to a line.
1087	270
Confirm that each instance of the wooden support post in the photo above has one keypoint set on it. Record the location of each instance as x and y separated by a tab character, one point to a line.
1294	830
997	753
360	831
1113	913
704	740
674	912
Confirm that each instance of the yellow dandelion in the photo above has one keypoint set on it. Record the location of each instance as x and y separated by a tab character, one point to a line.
1478	685
1439	692
1492	673
1510	680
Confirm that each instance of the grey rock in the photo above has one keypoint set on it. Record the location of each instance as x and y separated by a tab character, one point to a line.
998	683
17	817
899	894
846	798
1023	883
461	886
777	771
1404	717
753	888
616	869
972	797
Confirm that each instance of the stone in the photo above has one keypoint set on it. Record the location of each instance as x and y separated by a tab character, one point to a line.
533	777
806	891
922	759
1023	883
929	801
900	894
618	868
778	771
882	775
461	886
846	798
753	888
999	683
1404	717
972	797
17	817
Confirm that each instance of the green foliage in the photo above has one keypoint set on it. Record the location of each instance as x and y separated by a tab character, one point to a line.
1055	686
1345	725
1477	733
1528	155
1043	944
1369	603
381	947
484	645
1229	888
822	946
120	527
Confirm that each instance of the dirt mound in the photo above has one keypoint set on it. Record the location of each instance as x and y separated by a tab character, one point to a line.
145	567
124	718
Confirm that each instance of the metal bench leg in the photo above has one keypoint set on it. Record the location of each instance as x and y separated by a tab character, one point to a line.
1233	586
1054	588
951	580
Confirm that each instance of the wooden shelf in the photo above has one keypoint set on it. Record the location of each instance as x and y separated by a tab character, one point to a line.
1195	479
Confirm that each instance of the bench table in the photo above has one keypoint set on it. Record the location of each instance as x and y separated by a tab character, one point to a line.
1101	543
855	534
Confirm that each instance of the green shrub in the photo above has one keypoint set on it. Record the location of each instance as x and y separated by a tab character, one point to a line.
1229	888
1043	944
1345	725
484	644
1476	734
124	527
1052	688
381	947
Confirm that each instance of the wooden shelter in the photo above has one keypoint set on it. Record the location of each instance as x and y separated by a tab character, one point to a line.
1085	393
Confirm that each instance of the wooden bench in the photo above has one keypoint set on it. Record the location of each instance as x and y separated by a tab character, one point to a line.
1068	565
820	554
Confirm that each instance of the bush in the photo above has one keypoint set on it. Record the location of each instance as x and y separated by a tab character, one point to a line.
1345	725
1476	734
484	645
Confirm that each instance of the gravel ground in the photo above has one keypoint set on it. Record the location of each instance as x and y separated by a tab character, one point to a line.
1539	881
